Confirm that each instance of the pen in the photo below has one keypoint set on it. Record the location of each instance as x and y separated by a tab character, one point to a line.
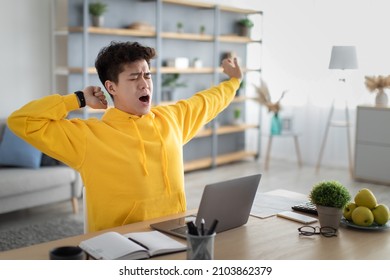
202	227
213	227
192	228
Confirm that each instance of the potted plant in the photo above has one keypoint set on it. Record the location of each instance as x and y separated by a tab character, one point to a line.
169	83
96	10
179	26
237	116
330	198
202	29
245	25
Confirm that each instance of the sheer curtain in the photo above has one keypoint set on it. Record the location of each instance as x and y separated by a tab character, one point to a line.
297	41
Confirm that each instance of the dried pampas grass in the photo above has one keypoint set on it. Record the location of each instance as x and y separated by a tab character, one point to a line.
264	98
374	83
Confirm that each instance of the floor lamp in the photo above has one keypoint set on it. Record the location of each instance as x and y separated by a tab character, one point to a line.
342	57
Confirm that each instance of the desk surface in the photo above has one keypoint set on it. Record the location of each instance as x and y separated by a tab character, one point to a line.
272	238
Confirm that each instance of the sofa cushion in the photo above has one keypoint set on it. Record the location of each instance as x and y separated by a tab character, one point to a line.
14	151
15	181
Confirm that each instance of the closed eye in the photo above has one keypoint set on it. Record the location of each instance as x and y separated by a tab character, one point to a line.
135	76
148	75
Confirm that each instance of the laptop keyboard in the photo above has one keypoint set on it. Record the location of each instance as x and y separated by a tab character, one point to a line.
180	230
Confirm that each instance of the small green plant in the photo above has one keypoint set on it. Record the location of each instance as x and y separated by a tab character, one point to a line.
246	22
237	113
170	81
330	194
97	8
179	26
202	29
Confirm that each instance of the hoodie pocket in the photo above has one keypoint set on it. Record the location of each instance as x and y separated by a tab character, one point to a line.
155	207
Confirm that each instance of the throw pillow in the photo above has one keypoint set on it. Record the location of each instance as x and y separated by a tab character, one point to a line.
49	161
14	151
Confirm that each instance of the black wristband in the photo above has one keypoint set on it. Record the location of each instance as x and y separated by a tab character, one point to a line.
80	96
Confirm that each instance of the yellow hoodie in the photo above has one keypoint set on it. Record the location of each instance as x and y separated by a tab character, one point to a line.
132	167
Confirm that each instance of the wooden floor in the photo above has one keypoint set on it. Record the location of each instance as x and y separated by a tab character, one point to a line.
280	175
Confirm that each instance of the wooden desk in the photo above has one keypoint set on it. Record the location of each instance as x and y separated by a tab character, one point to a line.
260	239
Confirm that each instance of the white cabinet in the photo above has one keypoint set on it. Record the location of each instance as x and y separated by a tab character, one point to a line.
372	149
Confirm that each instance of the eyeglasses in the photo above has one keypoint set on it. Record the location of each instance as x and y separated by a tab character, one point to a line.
325	231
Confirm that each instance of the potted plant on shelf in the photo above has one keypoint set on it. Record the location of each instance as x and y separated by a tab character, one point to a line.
96	10
169	84
237	116
202	29
330	198
179	27
245	26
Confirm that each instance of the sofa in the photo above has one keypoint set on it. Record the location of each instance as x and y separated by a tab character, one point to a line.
23	187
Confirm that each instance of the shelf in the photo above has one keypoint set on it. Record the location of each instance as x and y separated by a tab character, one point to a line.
232	157
187	36
229	38
220	160
198	164
189	4
235	128
205	132
113	31
210	6
226	129
189	70
234	38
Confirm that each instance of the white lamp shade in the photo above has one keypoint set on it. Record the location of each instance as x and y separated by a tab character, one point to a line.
343	57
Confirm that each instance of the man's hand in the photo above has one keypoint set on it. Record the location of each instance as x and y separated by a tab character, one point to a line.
231	68
95	98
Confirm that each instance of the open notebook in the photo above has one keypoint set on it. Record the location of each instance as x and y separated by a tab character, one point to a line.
131	246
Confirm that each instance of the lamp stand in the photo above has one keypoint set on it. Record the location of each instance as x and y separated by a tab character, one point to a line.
341	124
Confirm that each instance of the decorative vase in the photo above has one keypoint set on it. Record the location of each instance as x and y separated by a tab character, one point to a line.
329	216
276	125
381	99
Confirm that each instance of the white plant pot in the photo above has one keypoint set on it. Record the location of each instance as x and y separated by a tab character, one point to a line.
97	21
329	216
381	99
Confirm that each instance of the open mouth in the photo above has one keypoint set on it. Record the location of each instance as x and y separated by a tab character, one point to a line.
144	98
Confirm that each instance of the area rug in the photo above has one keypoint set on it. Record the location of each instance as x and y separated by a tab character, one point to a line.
49	230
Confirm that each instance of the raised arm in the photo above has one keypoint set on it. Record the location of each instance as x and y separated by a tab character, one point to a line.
231	68
43	124
94	97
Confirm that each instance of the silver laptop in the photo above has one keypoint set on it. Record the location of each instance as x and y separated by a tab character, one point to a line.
229	202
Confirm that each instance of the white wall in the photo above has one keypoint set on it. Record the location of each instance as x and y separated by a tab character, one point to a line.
298	36
25	52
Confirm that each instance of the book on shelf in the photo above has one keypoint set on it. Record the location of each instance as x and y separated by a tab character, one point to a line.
131	246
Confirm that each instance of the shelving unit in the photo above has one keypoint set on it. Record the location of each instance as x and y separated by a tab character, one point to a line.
84	41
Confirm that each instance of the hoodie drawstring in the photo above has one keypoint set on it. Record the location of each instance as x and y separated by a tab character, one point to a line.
164	157
142	147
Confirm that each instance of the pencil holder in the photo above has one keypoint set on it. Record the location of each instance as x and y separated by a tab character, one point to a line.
200	247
